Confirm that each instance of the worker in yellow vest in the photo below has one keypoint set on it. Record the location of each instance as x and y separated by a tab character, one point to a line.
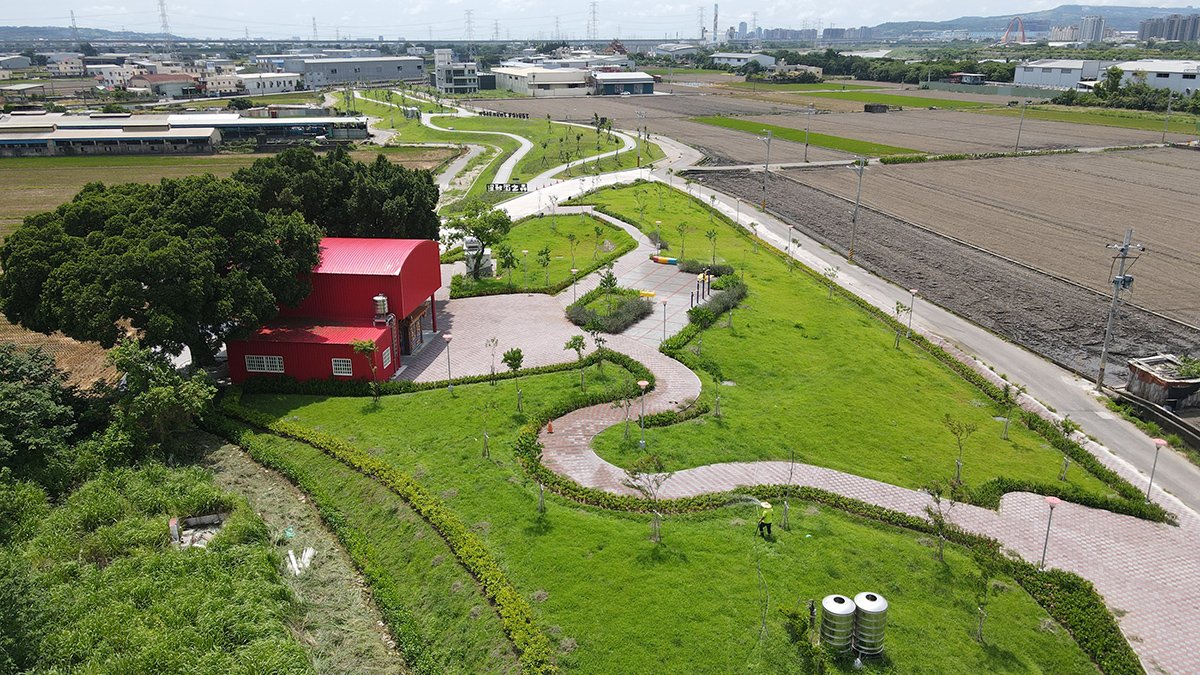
765	518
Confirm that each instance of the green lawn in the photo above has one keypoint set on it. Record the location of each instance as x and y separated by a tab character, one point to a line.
553	144
833	85
534	234
1181	123
850	145
900	100
613	602
822	378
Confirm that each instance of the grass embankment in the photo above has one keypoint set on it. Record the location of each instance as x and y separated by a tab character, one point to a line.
851	145
820	377
591	251
901	101
1180	123
612	602
98	586
815	86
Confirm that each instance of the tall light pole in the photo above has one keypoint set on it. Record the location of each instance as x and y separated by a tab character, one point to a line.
658	235
860	165
574	278
808	113
1053	502
1121	282
642	420
738	220
1021	125
1167	122
766	166
449	378
525	252
664	304
1159	444
912	303
641	115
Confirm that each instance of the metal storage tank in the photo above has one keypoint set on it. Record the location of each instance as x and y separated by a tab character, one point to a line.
837	622
870	620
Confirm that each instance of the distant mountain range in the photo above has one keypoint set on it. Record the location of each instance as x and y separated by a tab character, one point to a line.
1116	17
56	33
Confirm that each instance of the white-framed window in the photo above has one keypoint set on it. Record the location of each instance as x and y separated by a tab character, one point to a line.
264	364
343	367
387	357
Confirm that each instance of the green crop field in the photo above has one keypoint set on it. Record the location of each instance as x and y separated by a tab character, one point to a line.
1180	123
815	86
850	145
613	602
900	100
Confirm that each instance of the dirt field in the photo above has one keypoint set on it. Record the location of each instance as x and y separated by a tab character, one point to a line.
83	362
37	184
1057	213
1046	315
941	131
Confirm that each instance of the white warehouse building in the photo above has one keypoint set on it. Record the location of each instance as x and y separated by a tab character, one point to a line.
739	60
1058	73
543	82
270	83
1178	76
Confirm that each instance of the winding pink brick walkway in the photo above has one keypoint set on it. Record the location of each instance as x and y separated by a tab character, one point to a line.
1148	573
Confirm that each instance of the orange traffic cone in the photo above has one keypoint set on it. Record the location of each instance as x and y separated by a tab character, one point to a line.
550	427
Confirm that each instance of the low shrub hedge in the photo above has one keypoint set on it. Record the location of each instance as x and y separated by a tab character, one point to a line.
956	156
453	255
692	266
628	308
536	655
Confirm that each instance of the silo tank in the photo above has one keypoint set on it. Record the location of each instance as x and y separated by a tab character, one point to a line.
837	623
870	620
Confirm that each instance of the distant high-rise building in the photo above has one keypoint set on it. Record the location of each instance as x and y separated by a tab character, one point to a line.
1091	29
1064	34
741	33
833	34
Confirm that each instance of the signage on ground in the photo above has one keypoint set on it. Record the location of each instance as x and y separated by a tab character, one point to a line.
508	187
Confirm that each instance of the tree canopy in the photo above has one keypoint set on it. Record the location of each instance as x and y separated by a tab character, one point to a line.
487	224
187	262
345	197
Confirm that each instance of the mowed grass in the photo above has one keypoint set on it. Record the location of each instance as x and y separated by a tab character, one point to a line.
851	145
37	184
900	100
820	377
534	234
814	86
1180	123
615	603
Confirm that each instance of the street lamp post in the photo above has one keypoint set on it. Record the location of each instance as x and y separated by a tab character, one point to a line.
1159	444
664	304
1053	502
912	303
658	236
574	278
738	220
525	252
1021	125
808	113
642	419
858	167
449	378
766	166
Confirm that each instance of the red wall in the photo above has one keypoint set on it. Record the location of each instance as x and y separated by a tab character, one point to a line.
311	361
350	296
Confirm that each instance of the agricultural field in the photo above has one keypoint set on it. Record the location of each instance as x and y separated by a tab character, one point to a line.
849	145
950	131
833	85
37	184
611	601
1180	124
1017	211
942	100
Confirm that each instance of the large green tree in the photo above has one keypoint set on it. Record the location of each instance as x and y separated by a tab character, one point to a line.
487	224
184	263
36	419
345	197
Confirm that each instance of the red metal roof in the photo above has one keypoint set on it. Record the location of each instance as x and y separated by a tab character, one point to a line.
383	257
298	332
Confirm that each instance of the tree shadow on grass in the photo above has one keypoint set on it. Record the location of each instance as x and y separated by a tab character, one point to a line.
661	554
1000	659
371	406
539	527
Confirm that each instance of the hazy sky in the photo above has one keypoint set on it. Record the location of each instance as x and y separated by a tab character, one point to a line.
446	19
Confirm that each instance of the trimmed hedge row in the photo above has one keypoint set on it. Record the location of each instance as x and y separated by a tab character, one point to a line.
536	655
956	156
265	384
391	604
628	308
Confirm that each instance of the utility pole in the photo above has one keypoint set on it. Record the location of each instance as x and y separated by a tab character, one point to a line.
808	113
496	31
1167	123
860	165
1021	125
166	26
74	30
470	30
1121	282
766	166
314	28
593	24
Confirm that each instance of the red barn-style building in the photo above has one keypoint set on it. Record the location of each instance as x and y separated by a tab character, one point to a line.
362	289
